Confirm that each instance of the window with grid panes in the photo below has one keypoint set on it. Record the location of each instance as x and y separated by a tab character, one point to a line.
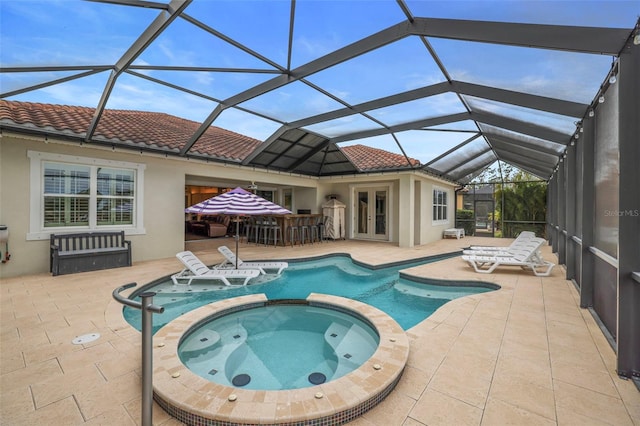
68	197
440	205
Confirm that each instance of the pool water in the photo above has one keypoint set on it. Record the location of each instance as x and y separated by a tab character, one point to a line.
278	347
407	302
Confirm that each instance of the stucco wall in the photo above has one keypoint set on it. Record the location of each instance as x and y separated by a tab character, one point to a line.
162	201
417	198
430	231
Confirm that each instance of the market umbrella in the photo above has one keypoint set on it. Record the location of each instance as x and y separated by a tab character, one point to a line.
237	202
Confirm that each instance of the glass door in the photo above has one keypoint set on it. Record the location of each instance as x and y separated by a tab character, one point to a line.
363	216
371	213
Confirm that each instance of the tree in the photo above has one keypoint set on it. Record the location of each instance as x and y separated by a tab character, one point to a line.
492	173
523	199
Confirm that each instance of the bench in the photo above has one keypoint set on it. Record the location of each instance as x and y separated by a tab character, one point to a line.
88	251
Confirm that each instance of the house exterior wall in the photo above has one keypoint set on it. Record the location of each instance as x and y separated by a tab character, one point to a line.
162	232
411	197
429	230
164	190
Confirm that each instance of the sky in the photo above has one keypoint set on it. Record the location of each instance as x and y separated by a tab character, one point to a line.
81	33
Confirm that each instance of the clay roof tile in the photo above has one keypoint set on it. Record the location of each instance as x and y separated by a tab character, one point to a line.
368	158
164	131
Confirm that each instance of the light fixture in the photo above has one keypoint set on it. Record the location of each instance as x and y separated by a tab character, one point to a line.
613	79
601	99
581	129
591	113
573	143
636	39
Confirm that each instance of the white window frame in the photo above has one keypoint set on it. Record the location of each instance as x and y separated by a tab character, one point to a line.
37	231
435	220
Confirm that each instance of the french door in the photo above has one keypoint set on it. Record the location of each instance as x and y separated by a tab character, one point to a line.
371	213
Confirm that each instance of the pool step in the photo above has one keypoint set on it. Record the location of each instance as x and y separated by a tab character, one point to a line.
215	362
347	342
199	344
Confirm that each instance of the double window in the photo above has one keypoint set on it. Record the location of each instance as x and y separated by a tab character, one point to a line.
440	205
75	193
68	196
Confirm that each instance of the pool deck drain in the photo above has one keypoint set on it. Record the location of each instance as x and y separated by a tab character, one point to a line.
195	400
86	338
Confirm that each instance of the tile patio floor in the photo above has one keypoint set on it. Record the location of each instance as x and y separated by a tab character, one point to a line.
526	354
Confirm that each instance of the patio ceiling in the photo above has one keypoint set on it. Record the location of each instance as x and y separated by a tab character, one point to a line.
458	94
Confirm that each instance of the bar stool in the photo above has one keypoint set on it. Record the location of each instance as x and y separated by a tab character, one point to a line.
294	231
318	229
305	230
272	231
315	229
249	228
259	229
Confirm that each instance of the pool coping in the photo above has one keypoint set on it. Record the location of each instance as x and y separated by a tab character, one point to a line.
195	400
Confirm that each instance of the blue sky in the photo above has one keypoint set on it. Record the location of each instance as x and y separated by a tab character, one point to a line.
72	32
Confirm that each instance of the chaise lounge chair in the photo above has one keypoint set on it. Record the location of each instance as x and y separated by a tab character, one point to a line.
519	244
231	259
520	239
196	270
528	258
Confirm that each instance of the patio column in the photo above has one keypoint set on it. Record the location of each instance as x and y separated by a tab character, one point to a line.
406	205
562	212
588	212
570	221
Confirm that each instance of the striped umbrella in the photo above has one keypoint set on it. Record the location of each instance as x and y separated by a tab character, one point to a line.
237	202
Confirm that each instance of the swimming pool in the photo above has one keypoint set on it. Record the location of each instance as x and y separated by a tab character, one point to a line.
406	300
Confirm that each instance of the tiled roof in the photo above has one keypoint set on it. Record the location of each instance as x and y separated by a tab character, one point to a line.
162	131
367	158
137	128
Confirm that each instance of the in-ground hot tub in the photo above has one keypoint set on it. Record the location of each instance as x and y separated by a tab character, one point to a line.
284	344
333	395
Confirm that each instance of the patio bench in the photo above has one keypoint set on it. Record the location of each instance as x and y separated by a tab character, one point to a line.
88	251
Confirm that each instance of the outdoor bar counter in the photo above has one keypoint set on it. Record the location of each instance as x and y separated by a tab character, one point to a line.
285	221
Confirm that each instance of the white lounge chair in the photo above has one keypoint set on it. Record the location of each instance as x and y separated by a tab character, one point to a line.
230	262
519	244
525	258
196	270
523	236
